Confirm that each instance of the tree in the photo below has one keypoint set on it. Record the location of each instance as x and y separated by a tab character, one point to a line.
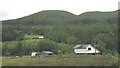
72	40
19	49
57	36
101	46
107	42
45	45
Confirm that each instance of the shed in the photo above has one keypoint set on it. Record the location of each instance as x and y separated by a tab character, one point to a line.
43	53
47	53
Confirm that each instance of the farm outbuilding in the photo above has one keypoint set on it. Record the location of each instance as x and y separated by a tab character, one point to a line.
47	53
43	53
86	49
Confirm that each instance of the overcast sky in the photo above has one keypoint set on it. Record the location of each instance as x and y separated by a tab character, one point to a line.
12	9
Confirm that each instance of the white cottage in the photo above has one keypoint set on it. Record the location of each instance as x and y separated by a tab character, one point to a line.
85	49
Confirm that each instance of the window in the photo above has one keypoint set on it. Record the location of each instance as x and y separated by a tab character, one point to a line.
89	48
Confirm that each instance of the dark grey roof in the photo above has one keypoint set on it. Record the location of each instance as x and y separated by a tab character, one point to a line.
82	46
48	52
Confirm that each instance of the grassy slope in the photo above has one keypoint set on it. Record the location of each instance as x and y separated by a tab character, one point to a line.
31	36
62	60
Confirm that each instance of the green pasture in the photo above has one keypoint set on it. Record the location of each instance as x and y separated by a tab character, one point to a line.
62	60
31	36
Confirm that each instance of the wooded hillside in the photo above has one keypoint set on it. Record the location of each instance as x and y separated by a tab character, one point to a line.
97	28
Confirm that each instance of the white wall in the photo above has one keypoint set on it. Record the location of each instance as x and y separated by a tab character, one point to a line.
93	50
33	53
80	50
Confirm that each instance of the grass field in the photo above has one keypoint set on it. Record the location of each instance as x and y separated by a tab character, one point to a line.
31	36
62	60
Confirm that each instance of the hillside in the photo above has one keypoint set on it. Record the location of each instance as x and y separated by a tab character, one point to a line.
106	17
50	17
97	28
44	18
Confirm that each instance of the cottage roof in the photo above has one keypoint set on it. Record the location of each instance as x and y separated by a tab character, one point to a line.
82	46
47	52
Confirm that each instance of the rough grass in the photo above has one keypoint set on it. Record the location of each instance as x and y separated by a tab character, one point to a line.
31	36
62	60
